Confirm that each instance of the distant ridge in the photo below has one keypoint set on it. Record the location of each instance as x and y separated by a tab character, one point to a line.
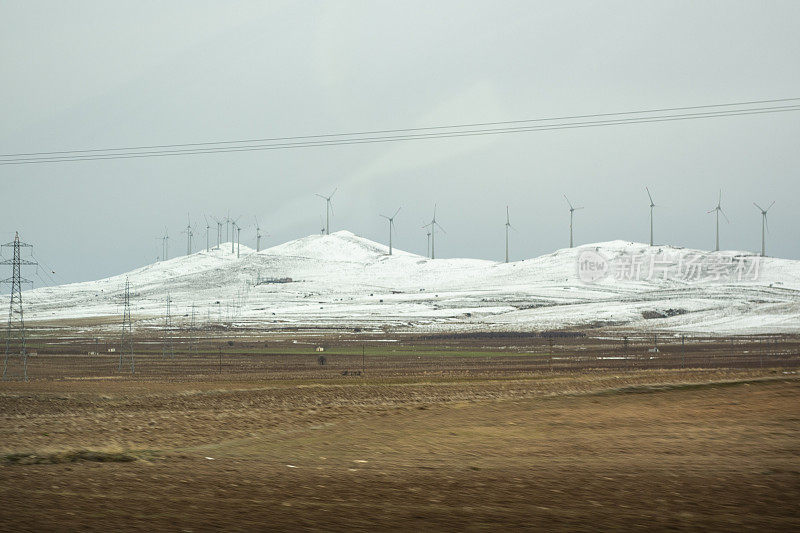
344	281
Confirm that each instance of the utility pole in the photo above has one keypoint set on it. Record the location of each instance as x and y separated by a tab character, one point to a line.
16	324
127	328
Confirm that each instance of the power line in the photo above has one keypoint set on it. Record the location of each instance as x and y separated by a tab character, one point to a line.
366	140
401	130
424	133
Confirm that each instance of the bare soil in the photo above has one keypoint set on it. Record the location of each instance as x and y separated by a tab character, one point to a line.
714	448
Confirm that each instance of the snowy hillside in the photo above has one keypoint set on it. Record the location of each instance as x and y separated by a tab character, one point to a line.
342	280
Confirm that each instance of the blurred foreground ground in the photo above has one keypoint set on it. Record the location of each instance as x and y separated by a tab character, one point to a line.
687	449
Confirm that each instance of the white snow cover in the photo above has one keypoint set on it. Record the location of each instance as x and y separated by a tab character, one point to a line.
342	280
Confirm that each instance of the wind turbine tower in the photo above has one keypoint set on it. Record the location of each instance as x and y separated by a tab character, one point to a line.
572	211
208	247
165	245
391	227
233	232
228	225
238	239
328	210
428	252
189	234
764	225
258	236
652	205
717	210
432	227
508	225
219	230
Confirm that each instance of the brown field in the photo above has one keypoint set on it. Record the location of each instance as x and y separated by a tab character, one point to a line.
437	434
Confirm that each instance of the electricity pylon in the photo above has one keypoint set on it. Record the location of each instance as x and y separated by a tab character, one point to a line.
192	330
16	324
167	346
127	329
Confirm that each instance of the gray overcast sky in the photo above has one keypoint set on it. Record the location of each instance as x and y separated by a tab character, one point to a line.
104	74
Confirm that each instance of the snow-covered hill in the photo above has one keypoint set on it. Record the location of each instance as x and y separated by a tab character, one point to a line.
343	280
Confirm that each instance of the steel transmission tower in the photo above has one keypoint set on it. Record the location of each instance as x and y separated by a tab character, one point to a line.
192	330
16	324
168	347
127	329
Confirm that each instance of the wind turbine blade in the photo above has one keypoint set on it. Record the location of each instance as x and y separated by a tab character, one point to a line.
758	207
766	221
384	216
770	205
440	227
334	192
323	197
649	195
395	213
719	202
568	202
578	208
724	215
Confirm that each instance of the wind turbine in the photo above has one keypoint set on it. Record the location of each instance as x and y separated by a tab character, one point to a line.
432	225
391	227
717	210
573	209
328	210
219	230
208	247
764	225
258	235
165	245
233	232
428	249
508	225
227	221
189	234
652	205
238	239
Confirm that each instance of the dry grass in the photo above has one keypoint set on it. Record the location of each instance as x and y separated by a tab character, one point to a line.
656	449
